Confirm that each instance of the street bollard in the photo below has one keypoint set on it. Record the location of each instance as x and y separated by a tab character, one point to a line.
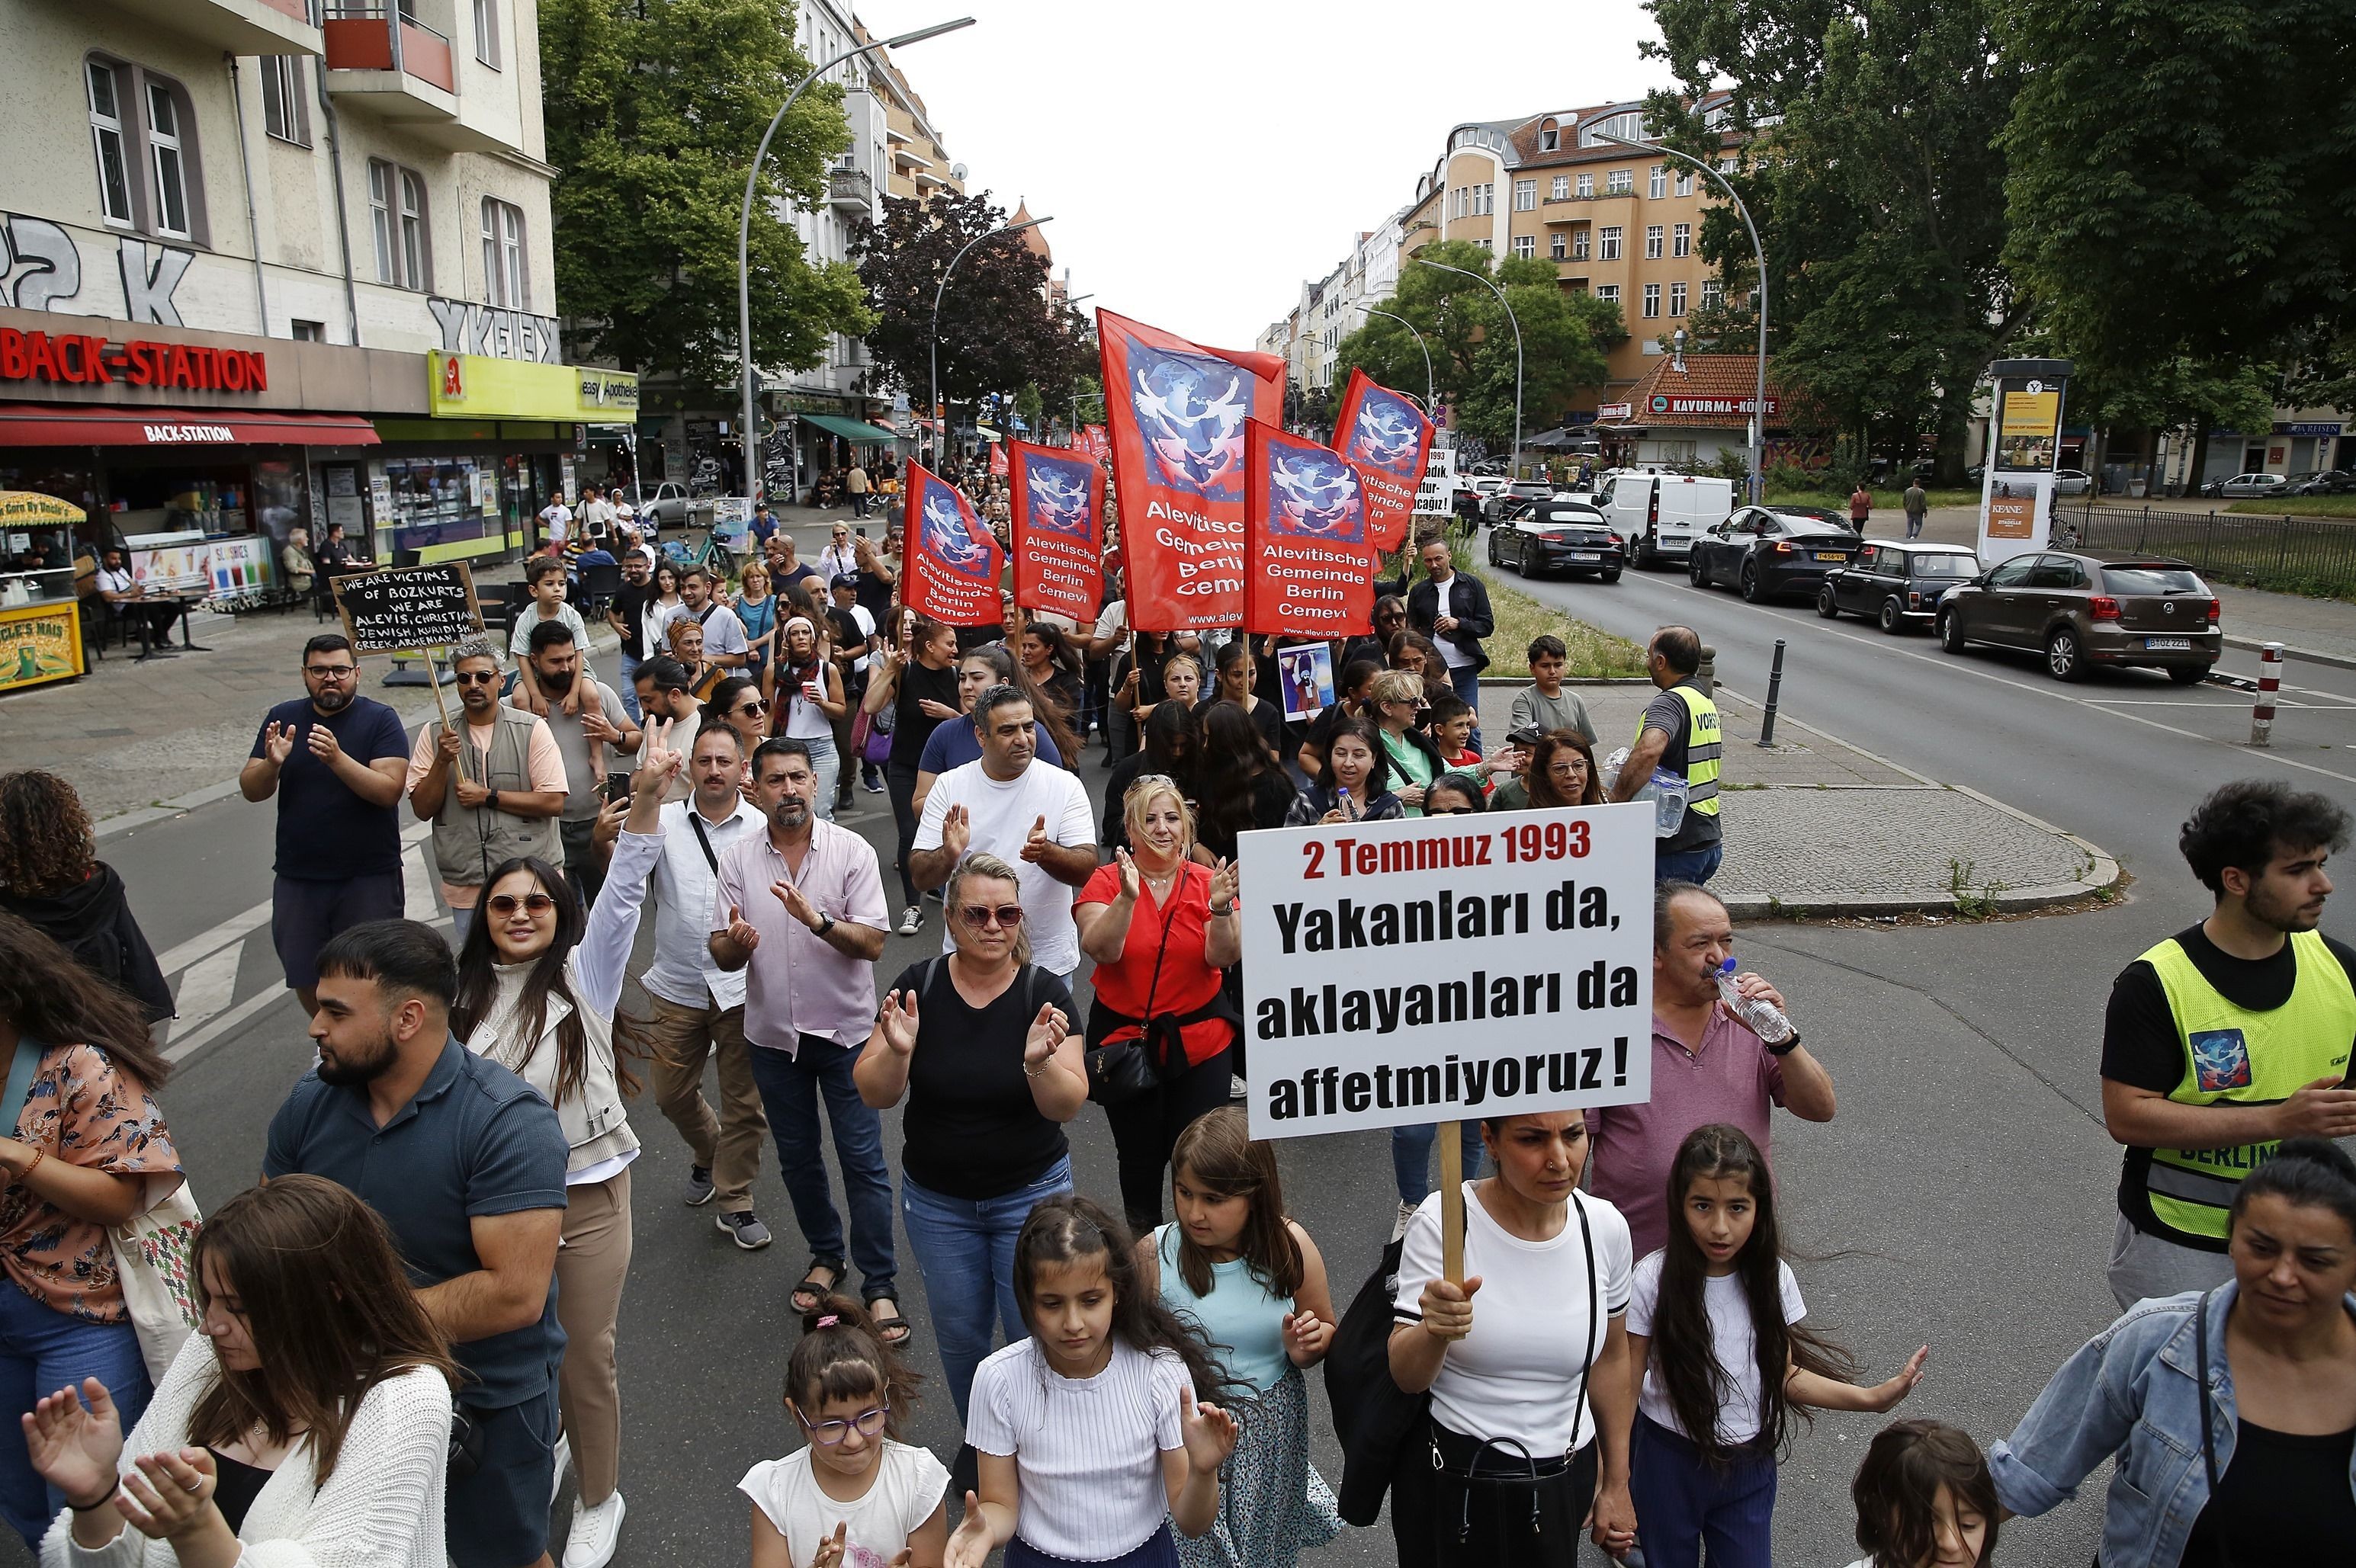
1774	686
1706	673
2261	713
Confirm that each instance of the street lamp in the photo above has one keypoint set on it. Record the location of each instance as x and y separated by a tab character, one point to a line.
1430	398
1515	462
745	225
1759	403
940	415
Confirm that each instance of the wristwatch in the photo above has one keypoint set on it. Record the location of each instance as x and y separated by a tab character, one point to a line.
495	800
825	924
1785	1049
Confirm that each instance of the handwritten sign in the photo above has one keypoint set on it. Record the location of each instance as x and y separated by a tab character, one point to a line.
408	608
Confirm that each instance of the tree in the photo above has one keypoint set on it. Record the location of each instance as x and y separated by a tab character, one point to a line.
996	329
661	105
1567	339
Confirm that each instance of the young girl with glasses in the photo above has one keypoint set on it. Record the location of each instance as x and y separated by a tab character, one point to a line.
856	1496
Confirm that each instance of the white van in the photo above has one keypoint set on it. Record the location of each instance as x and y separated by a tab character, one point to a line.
1659	514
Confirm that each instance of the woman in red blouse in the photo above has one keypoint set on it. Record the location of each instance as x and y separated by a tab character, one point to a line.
1159	928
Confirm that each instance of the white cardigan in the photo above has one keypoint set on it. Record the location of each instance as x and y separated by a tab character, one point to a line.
381	1508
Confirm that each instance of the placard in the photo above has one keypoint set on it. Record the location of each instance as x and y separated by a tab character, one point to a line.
1306	674
409	608
1442	969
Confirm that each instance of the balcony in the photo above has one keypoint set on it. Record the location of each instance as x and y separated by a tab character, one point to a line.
849	192
234	27
402	72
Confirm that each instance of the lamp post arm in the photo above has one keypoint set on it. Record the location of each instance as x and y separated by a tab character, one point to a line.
1506	305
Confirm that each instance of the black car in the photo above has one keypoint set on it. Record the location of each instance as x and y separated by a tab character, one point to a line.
1767	550
2324	481
1499	502
1558	536
1899	582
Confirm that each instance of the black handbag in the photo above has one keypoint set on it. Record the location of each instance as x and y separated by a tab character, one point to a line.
1125	1068
1376	1420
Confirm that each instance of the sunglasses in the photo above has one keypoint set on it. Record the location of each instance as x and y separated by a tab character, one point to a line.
752	709
982	916
477	676
507	903
827	1434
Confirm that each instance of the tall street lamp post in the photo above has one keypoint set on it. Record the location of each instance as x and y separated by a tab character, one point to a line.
753	464
940	415
1515	463
1430	398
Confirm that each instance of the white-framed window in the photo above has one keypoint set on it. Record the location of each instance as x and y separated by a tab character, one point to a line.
1628	123
1460	200
1553	245
1586	185
1657	186
168	163
1620	182
506	276
1652	299
1488	198
282	108
486	32
416	242
398	228
1525	246
381	178
1726	165
1561	189
1677	299
1608	292
1607	249
1713	295
1685	182
1681	240
1651	242
1526	196
104	91
1579	245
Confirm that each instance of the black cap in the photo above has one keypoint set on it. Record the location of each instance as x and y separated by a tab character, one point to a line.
1528	735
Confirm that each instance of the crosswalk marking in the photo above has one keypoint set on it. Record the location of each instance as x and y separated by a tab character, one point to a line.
209	985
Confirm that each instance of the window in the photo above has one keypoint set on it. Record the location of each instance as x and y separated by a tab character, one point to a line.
506	278
1525	246
1628	123
1579	245
1620	182
1685	182
1549	137
1652	299
380	217
310	331
1713	295
1657	186
106	136
282	99
1526	196
1561	189
1651	242
167	167
1726	165
1485	199
1677	299
1682	241
416	244
1608	292
1587	185
1610	249
1456	201
1553	245
486	32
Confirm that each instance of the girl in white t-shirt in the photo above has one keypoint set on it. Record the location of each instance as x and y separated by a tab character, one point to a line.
1091	1441
856	1497
1721	1359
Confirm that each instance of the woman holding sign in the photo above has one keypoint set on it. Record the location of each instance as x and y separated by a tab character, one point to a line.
1526	1358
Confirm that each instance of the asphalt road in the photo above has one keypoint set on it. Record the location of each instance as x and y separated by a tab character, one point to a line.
1963	1198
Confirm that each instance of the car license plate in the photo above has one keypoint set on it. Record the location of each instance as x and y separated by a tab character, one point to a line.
1830	555
1586	555
2166	644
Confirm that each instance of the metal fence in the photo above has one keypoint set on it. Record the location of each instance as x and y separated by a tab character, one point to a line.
2315	555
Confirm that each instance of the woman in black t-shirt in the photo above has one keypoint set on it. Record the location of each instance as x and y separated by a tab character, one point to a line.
982	1046
916	678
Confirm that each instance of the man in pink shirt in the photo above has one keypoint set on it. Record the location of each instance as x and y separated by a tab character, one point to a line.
800	908
1707	1066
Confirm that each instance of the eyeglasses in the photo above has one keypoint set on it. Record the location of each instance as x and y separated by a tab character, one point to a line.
507	903
752	709
827	1434
1450	810
982	916
331	671
476	677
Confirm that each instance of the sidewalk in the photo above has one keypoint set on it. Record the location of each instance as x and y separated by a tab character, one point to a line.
1817	826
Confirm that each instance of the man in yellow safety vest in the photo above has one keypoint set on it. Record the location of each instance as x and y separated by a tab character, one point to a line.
1680	733
2228	1036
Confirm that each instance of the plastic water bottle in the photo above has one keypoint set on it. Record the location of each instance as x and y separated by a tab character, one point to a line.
1665	790
1765	1018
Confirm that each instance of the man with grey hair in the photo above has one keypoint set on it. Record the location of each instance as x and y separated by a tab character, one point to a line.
493	788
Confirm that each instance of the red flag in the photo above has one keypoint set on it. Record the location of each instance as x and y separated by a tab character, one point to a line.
1388	439
1057	497
951	561
1097	445
1308	530
998	459
1177	411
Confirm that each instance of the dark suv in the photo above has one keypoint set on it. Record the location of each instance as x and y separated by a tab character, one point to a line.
1898	583
2084	610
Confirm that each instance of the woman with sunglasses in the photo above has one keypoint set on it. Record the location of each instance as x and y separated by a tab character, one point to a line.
979	1043
537	990
1397	697
737	702
809	699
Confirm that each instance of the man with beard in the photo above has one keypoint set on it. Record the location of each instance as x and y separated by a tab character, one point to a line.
492	795
2228	1036
337	761
552	664
800	908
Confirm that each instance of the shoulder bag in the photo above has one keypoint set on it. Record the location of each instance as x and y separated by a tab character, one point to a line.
1121	1071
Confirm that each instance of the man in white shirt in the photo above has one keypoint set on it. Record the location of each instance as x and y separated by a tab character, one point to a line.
556	519
598	516
724	642
699	1006
1032	814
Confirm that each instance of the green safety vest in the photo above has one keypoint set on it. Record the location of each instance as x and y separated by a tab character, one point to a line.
2235	1056
1703	747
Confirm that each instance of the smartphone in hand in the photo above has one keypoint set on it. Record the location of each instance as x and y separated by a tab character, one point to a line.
617	786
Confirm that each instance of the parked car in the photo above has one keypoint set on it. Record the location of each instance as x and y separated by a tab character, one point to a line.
1497	503
2324	481
1661	514
1767	550
2241	486
1558	536
667	507
1898	583
2083	610
2073	482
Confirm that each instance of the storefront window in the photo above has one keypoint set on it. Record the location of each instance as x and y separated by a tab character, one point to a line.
207	499
441	501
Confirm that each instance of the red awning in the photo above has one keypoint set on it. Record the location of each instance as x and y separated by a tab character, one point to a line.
53	425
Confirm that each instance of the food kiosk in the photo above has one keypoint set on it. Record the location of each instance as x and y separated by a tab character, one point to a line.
40	617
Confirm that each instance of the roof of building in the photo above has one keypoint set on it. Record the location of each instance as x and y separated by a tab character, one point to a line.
1730	380
1033	239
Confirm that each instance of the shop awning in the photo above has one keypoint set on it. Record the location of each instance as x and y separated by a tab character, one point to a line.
49	424
850	429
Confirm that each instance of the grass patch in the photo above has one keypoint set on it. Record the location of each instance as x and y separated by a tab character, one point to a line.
1884	500
2286	505
1595	654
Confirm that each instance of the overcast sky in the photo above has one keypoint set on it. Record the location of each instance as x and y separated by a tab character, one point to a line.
1133	126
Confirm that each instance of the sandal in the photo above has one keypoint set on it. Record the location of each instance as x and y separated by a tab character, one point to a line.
812	1289
894	1330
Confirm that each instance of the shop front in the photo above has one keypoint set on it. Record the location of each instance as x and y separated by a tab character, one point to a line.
502	437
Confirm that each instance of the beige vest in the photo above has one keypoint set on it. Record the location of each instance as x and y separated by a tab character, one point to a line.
468	841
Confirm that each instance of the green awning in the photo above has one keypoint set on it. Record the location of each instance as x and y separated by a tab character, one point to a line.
850	429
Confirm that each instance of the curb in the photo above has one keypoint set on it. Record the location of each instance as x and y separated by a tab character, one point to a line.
2252	645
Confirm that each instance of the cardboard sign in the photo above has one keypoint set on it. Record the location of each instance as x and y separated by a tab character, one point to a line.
1444	968
409	607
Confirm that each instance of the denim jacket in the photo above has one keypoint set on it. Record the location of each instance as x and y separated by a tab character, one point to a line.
2133	1391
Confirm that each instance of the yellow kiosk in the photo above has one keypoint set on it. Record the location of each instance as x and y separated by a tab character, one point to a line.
40	617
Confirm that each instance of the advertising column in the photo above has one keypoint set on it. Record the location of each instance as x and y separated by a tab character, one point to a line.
2024	445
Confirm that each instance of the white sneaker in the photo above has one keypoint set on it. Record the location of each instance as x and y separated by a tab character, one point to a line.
911	919
595	1530
563	1463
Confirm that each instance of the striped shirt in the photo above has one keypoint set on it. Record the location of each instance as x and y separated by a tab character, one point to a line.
1087	1451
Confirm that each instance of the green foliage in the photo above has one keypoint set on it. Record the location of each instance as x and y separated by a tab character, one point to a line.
654	111
1031	408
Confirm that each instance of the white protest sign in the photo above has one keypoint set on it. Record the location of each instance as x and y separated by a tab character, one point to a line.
1448	967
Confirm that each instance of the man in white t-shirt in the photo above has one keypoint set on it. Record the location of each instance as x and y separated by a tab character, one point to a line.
556	519
1032	814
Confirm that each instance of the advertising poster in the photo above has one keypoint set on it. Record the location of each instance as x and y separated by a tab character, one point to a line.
39	645
1057	500
239	566
2024	442
173	568
1388	439
1305	520
951	563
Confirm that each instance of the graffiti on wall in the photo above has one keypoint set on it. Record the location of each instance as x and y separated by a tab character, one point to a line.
40	269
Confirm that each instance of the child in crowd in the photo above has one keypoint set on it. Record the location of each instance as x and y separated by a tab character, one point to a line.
1254	1284
546	576
1924	1500
1091	1439
856	1497
1720	1359
1543	705
1452	721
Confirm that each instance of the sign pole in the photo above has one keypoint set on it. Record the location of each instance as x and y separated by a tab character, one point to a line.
439	706
1452	1202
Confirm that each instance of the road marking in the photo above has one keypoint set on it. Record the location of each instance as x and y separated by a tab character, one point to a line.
417	886
233	929
223	1024
209	985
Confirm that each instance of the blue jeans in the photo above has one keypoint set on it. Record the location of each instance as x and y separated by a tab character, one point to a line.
1411	1149
630	689
965	1250
1465	679
790	1087
1695	866
41	1352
